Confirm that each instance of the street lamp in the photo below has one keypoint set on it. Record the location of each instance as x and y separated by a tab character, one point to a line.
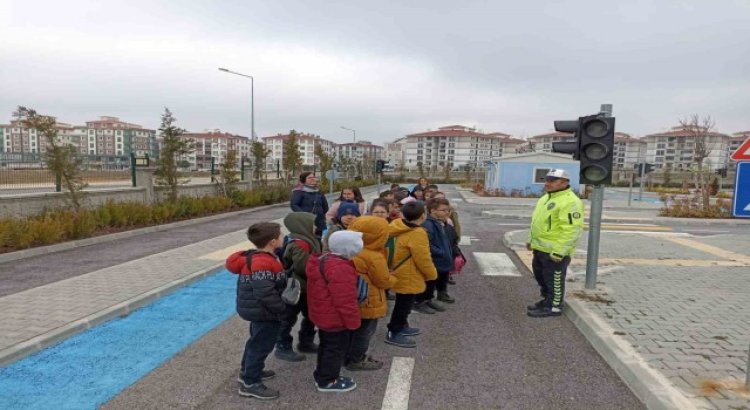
252	99
353	132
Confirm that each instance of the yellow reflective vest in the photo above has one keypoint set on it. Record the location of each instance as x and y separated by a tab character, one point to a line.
557	223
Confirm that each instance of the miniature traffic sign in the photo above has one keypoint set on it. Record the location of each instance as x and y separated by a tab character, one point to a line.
743	152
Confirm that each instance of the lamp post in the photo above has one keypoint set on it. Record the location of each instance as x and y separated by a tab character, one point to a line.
252	99
354	133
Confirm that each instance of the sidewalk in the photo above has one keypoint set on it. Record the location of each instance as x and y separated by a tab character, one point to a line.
669	314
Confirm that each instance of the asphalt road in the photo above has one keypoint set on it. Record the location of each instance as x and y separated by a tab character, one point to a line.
483	353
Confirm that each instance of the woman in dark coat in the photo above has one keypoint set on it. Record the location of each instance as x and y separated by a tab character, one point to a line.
306	197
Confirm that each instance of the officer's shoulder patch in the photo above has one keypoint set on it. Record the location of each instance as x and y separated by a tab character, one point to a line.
550	206
576	215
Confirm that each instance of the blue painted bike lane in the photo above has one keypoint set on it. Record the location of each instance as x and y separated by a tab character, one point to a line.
88	369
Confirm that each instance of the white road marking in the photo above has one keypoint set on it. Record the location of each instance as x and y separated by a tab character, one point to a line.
466	240
496	264
399	384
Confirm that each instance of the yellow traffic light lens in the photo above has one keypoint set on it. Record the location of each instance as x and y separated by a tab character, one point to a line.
594	173
595	151
596	128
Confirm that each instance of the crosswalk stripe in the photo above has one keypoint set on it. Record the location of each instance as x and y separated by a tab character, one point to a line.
496	264
398	389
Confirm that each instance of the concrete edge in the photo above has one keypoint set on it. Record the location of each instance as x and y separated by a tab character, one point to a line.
64	246
122	309
650	386
666	220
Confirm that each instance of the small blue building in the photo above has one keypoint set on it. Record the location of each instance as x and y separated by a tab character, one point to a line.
524	173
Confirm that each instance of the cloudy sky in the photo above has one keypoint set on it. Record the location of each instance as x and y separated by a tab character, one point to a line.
386	68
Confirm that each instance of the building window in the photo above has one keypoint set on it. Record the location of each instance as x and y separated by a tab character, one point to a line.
539	174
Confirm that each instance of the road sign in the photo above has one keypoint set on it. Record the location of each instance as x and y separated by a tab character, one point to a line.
332	175
741	207
743	152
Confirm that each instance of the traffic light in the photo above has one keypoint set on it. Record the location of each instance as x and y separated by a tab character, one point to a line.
648	168
722	172
593	146
379	165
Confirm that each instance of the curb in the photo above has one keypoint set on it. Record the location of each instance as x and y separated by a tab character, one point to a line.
41	342
64	246
651	387
664	220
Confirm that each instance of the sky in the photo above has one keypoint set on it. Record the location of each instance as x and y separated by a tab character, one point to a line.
386	69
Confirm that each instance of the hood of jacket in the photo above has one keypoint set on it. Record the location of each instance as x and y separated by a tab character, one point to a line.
301	226
374	231
398	227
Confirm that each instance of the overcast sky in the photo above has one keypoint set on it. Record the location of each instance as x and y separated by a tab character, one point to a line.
386	68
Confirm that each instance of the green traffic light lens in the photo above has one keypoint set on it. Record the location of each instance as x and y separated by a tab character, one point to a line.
596	128
595	151
594	173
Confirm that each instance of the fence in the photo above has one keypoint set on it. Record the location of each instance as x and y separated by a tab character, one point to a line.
23	173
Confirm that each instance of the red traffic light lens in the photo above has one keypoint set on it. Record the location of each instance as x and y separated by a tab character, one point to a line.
595	151
596	128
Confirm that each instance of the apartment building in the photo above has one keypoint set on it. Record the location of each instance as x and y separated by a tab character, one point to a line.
628	151
358	151
307	144
677	147
215	144
110	136
456	146
395	153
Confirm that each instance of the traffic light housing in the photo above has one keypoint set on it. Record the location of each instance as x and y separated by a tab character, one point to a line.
379	166
649	168
593	146
722	172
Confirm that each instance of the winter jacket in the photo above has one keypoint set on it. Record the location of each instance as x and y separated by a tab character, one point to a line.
306	199
456	221
332	297
300	226
440	245
411	242
372	266
259	287
331	214
557	223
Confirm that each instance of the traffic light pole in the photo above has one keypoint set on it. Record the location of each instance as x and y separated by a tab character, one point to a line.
640	183
595	223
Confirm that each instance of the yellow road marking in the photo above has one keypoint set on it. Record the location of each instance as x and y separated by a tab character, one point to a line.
616	227
222	254
723	253
526	257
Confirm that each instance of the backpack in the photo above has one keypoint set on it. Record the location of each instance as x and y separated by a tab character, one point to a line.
291	293
363	289
391	246
287	240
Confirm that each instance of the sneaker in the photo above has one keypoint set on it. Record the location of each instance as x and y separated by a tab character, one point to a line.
410	331
451	281
445	297
311	347
400	340
545	312
259	391
340	385
435	306
266	375
423	308
536	305
286	353
367	364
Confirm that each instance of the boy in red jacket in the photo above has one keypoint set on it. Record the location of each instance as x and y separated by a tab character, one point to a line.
259	285
333	307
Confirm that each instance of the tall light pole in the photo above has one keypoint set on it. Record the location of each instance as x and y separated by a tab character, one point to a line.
252	99
353	132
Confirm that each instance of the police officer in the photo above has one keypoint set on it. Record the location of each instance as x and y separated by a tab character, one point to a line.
556	225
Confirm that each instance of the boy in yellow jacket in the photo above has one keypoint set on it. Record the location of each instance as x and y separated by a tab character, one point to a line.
409	257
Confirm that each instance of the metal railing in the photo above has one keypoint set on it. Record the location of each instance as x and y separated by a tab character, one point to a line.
27	173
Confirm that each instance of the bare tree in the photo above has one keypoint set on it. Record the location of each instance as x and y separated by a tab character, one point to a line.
699	130
325	159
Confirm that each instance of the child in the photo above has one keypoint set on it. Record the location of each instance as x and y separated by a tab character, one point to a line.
346	213
301	226
429	191
352	195
332	291
441	251
379	208
409	258
259	285
386	195
372	267
418	193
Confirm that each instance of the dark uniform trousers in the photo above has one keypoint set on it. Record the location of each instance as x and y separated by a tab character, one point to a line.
550	275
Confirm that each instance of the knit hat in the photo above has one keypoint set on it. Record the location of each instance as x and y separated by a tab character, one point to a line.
345	243
347	208
408	199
